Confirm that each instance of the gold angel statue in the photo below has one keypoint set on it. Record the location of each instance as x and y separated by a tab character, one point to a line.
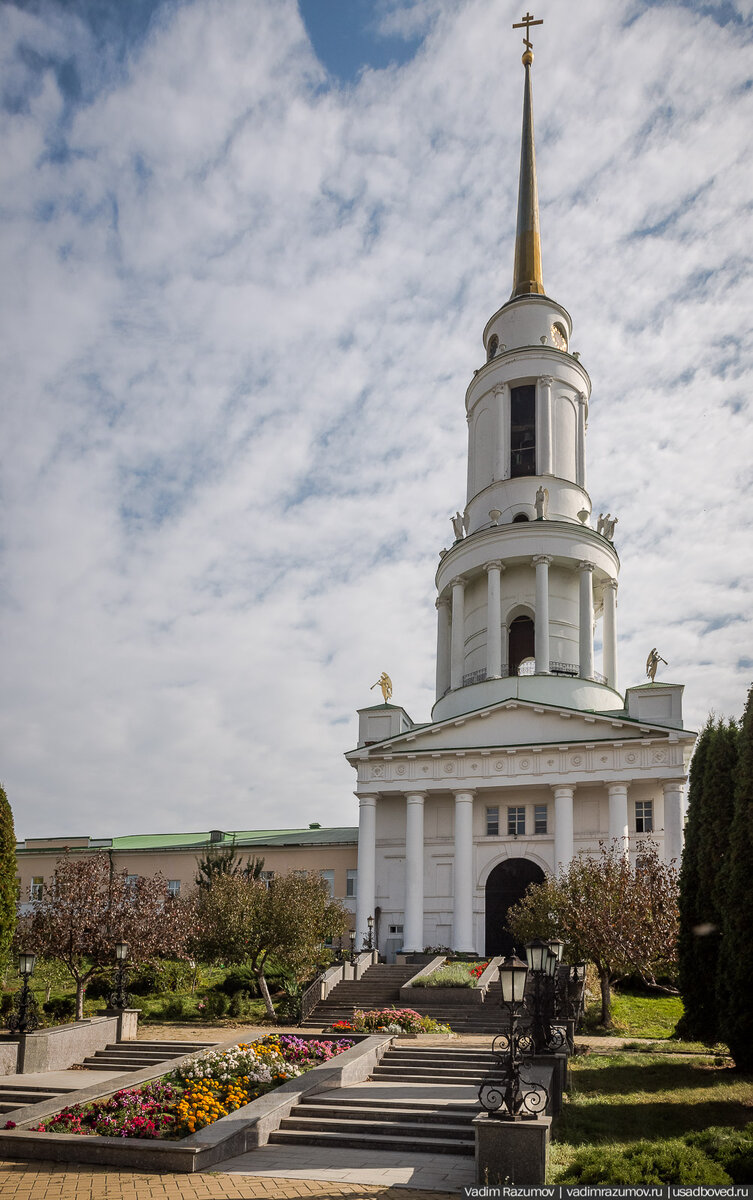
652	662
385	683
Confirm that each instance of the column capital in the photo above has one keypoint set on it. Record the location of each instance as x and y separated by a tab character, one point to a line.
562	790
465	793
611	583
458	581
582	397
614	789
546	380
586	566
368	801
415	797
541	558
442	602
495	565
499	389
674	785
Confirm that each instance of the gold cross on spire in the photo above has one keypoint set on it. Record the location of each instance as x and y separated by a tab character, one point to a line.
527	21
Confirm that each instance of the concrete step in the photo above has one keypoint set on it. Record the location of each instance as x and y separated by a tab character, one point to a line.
372	1141
374	1110
135	1056
400	1125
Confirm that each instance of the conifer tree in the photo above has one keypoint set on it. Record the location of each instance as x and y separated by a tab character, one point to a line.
712	782
737	943
7	879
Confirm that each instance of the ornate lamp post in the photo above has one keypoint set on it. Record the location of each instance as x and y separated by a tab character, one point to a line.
370	923
501	1093
119	997
24	1016
352	946
537	953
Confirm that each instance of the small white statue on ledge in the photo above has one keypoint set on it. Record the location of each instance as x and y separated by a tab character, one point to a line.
542	503
458	527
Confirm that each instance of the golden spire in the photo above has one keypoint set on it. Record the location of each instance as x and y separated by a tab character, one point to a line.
527	275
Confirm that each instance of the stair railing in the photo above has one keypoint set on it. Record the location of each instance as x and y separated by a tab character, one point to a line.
320	989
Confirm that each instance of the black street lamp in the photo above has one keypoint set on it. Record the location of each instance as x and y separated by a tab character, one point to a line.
501	1093
352	946
370	923
537	953
119	997
24	1016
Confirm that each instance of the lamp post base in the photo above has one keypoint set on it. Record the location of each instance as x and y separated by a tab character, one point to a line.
512	1152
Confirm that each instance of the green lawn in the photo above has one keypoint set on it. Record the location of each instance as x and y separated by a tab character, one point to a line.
619	1099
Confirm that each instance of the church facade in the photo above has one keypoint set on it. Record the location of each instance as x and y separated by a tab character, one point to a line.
532	755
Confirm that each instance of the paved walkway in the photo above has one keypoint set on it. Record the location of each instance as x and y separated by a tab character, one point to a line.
56	1181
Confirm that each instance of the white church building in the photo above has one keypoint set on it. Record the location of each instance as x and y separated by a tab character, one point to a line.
531	754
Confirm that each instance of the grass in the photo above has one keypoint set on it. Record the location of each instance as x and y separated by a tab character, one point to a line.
619	1099
450	975
636	1016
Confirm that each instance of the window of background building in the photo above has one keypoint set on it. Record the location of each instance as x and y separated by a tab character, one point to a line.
37	887
539	818
644	816
492	821
329	879
523	430
266	878
131	880
173	887
351	882
396	929
516	819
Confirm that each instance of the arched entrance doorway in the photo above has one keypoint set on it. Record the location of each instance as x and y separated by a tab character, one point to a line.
521	642
505	887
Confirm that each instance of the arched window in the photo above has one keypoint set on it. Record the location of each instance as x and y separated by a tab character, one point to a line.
523	430
520	517
491	349
521	642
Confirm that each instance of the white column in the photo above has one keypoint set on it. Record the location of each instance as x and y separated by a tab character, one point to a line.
413	929
563	827
673	819
462	928
541	622
586	631
493	620
544	414
471	459
502	439
443	646
457	660
580	446
610	632
618	817
366	884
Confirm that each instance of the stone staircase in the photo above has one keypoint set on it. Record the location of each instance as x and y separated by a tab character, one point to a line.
19	1095
378	987
378	1118
136	1056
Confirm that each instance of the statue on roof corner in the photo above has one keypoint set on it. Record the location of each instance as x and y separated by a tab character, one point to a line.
385	683
542	503
652	662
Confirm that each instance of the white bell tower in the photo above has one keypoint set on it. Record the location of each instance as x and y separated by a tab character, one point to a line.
524	582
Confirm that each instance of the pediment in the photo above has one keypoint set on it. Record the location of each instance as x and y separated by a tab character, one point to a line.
517	723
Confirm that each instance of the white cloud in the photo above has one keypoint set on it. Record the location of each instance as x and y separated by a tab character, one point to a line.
238	321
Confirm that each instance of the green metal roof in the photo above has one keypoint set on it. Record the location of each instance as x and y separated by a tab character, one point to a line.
345	835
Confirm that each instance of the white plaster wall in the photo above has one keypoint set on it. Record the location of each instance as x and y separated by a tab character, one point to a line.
565	430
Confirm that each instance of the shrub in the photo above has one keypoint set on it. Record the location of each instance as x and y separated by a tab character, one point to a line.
239	980
173	1008
213	1005
239	1004
645	1162
99	987
731	1148
60	1008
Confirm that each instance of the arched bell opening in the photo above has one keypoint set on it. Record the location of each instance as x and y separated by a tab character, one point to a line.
505	887
521	642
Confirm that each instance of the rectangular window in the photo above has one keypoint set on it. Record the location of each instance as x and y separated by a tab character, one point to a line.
37	887
523	430
539	818
396	929
492	821
644	816
516	819
266	878
351	882
173	887
329	879
131	880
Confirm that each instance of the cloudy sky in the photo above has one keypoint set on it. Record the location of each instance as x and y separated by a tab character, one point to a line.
247	251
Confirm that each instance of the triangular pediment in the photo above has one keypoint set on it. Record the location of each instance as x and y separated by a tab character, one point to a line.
518	723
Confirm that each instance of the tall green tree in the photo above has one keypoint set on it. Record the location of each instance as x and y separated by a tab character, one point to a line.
7	880
220	861
702	899
737	918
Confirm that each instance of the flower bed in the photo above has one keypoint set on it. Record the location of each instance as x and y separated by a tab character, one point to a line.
389	1020
199	1092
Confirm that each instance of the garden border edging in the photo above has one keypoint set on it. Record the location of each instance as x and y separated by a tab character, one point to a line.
246	1129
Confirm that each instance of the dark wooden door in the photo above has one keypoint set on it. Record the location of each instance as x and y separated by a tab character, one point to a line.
504	888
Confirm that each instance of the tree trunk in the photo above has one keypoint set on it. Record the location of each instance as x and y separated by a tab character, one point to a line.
265	994
80	989
606	998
